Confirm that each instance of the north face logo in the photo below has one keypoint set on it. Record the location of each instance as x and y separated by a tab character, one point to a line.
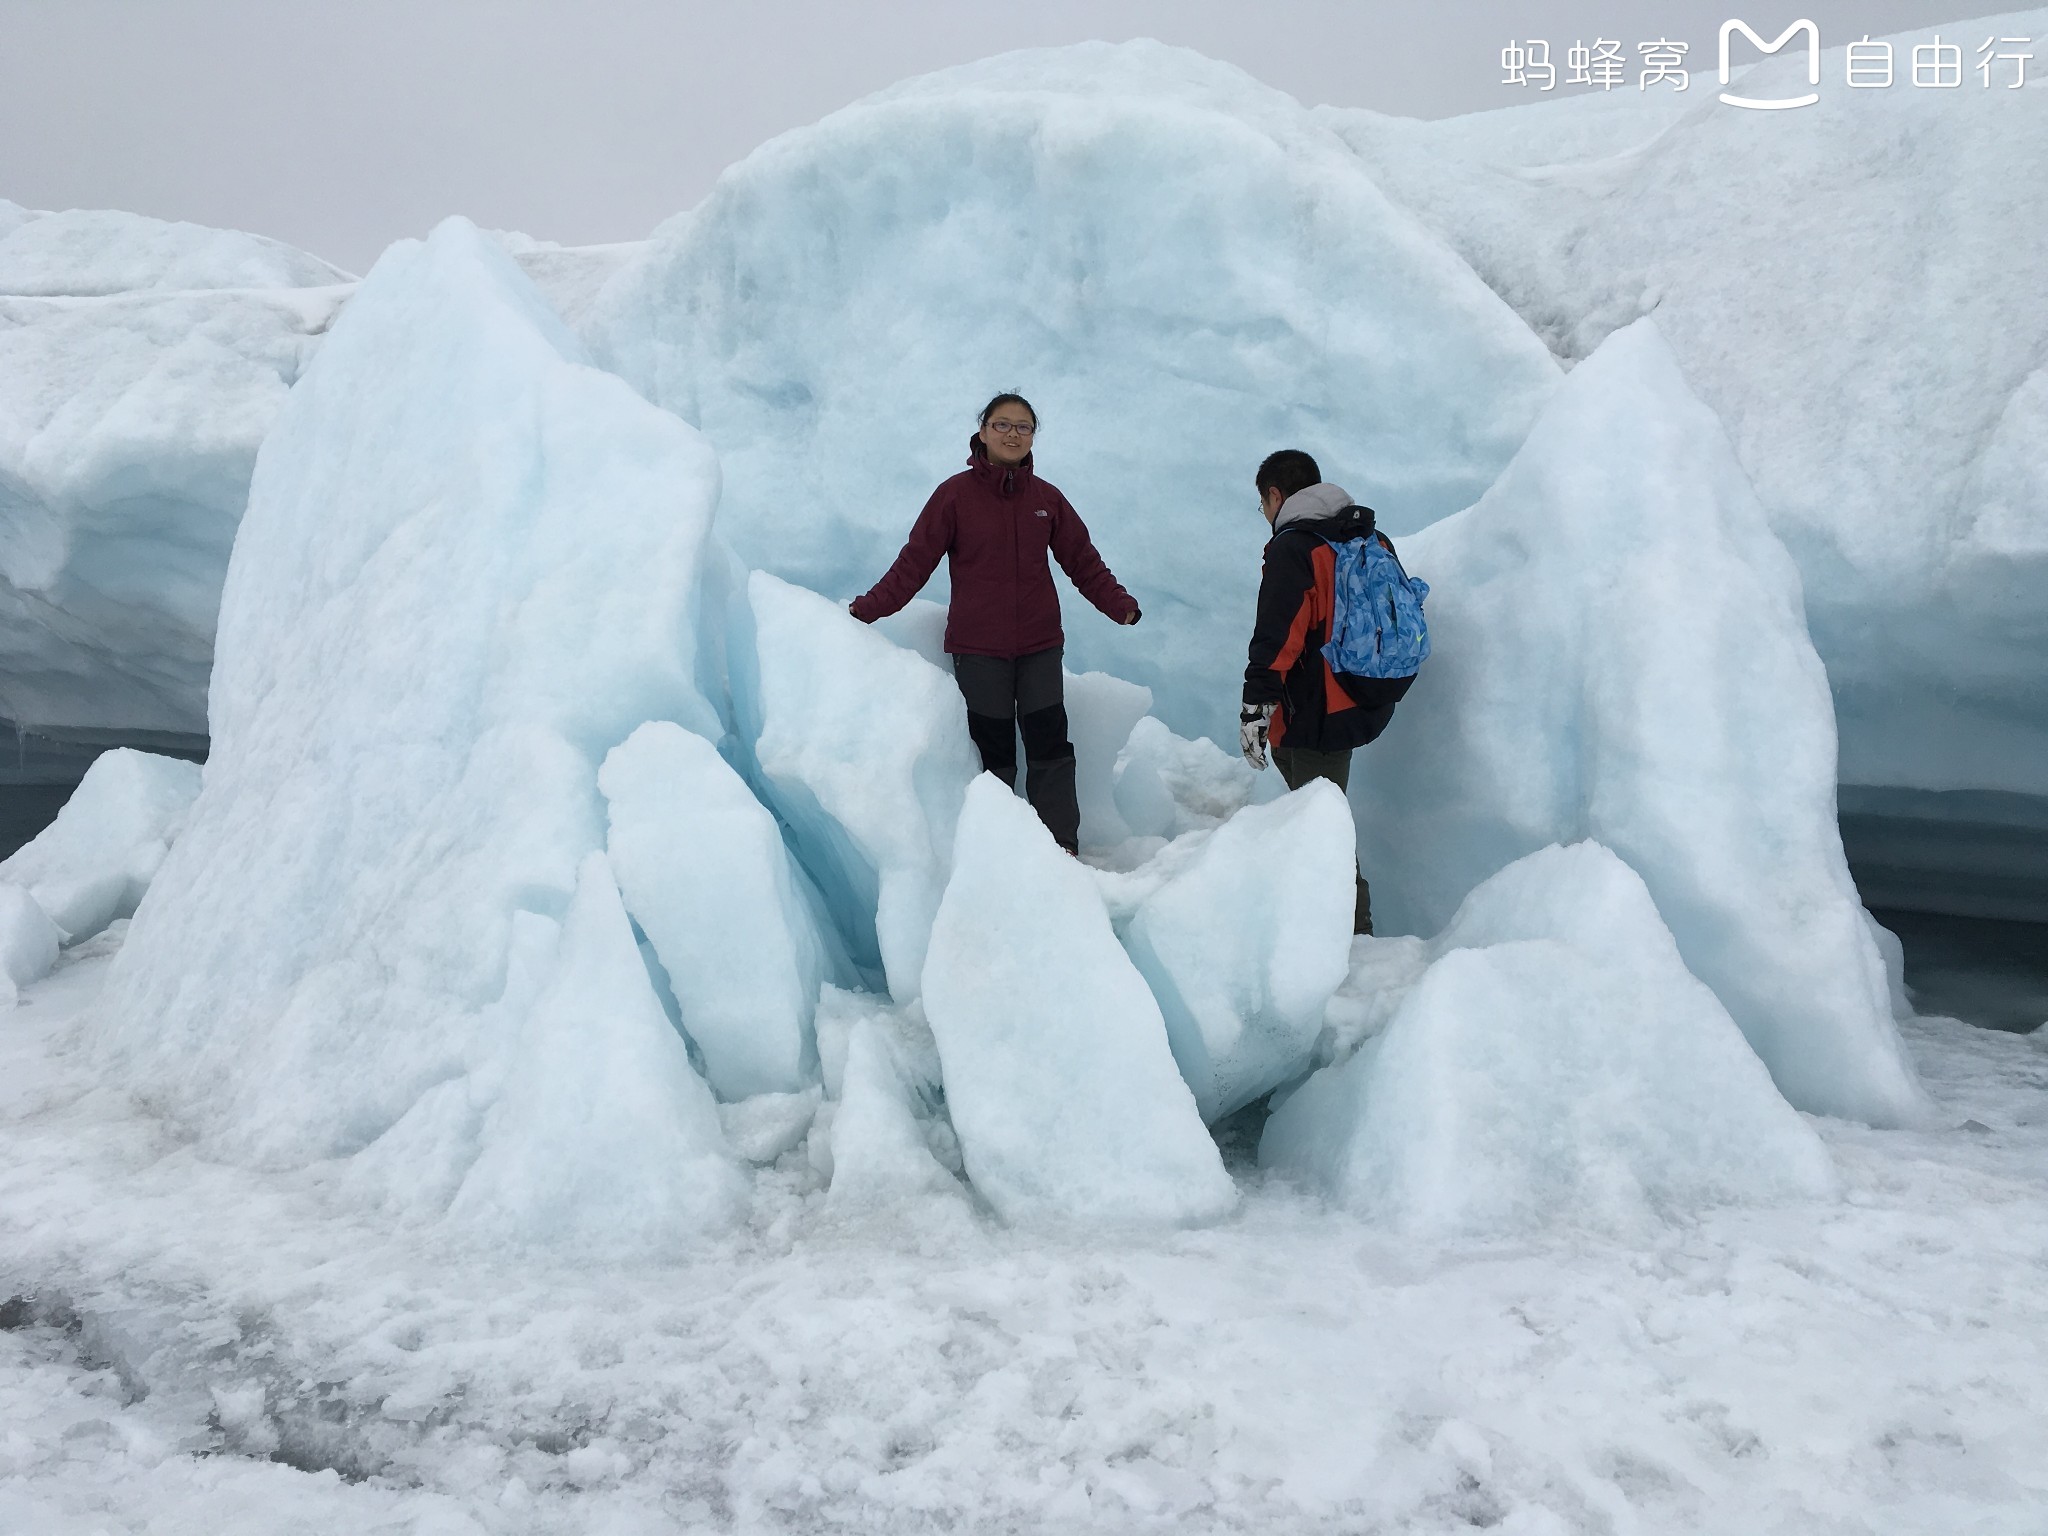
1041	512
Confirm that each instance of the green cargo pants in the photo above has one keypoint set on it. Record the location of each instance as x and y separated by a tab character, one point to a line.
1297	766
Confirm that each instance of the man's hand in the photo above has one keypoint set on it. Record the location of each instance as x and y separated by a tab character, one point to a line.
1253	724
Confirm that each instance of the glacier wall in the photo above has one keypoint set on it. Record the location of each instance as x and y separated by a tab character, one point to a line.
141	364
1619	652
1848	287
1178	267
472	565
1183	269
96	252
437	917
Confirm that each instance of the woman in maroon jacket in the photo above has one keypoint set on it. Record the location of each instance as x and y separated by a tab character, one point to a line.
994	523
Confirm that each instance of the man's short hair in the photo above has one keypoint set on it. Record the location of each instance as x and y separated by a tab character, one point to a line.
1288	471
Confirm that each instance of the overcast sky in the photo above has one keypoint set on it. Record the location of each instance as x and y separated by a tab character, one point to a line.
341	126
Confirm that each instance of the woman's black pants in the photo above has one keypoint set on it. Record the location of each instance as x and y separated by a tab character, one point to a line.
1009	695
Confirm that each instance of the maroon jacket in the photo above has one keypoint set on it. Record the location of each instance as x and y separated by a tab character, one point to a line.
995	526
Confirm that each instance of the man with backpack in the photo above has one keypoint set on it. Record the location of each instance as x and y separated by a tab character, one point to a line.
1338	635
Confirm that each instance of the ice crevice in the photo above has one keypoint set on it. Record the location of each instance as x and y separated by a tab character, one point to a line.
396	930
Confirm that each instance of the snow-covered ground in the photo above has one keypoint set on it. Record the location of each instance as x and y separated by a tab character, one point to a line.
196	1348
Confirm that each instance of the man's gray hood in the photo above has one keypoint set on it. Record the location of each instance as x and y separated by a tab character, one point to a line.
1313	505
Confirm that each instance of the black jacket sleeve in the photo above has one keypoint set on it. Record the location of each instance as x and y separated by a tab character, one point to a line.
1287	581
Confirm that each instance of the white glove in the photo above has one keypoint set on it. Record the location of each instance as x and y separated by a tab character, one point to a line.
1253	722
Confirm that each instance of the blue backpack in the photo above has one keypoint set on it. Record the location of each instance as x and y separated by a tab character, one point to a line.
1377	630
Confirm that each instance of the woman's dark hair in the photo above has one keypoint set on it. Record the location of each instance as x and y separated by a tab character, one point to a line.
1007	399
1288	471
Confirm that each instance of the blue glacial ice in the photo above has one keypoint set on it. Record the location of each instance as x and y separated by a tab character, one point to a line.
29	942
704	869
1153	246
1246	939
881	1151
1058	1076
1553	1060
1620	653
91	865
1844	285
862	750
601	1136
141	364
1177	265
476	569
472	566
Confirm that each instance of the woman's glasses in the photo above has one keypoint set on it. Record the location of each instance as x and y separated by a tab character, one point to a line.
1012	428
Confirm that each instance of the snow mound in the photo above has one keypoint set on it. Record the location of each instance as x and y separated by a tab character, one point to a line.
1555	1061
570	277
1167	785
1840	285
881	1154
863	751
1243	945
90	252
1058	1076
128	432
472	565
1102	711
1126	233
603	1136
759	1130
1620	654
920	626
28	942
92	864
704	872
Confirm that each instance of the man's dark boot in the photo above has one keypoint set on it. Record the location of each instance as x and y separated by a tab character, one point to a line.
1361	913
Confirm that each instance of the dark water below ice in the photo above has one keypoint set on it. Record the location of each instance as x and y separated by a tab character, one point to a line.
25	809
38	773
1966	853
1984	970
1961	878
